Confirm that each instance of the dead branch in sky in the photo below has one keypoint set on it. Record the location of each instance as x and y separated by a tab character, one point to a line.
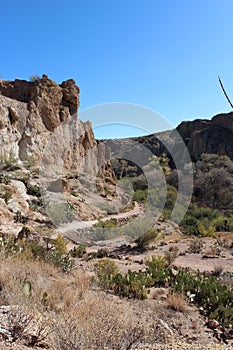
224	91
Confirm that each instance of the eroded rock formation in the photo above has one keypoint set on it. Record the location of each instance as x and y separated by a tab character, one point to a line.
41	132
209	136
39	119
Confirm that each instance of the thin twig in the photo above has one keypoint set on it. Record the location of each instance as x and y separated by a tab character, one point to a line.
224	91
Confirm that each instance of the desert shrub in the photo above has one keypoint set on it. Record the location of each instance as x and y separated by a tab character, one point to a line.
139	182
146	238
9	246
96	324
33	249
195	246
208	231
157	262
106	269
34	78
60	245
214	182
112	223
108	207
6	194
221	223
4	179
137	228
156	267
9	161
176	302
208	292
105	229
201	221
171	254
171	197
31	161
140	196
79	251
65	263
132	285
26	323
34	190
102	253
19	217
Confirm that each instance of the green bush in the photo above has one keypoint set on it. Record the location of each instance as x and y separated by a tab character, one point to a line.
65	263
131	285
4	179
203	221
60	245
9	161
6	194
146	238
157	268
140	196
106	269
205	291
78	251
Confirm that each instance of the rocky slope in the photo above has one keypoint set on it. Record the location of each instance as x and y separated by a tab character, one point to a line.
209	136
200	136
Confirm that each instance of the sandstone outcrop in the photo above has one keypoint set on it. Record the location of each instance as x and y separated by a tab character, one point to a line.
39	120
41	134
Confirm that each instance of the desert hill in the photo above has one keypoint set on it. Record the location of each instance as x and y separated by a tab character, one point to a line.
82	266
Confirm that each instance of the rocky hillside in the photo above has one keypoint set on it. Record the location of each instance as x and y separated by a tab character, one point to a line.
209	136
46	151
200	136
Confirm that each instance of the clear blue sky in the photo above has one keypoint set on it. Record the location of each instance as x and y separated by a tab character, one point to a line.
162	54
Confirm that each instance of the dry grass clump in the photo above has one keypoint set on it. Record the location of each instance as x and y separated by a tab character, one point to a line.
46	304
25	323
195	246
171	254
60	309
226	239
48	287
211	251
218	270
176	302
95	323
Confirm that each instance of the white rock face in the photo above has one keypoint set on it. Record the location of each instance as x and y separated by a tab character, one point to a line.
21	189
39	125
36	123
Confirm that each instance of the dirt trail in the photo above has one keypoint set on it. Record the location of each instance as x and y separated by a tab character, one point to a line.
81	225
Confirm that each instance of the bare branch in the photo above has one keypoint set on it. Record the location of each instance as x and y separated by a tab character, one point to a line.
224	91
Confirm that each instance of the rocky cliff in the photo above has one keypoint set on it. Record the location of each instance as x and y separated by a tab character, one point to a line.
31	112
45	145
213	136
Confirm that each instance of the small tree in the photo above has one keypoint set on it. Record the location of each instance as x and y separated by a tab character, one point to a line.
60	245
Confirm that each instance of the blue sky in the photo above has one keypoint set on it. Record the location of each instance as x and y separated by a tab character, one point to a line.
162	54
